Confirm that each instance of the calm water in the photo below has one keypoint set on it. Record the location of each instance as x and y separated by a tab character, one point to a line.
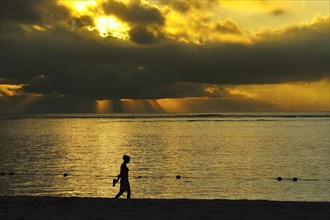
219	156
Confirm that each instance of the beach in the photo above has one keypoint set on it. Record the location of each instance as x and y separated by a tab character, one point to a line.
27	207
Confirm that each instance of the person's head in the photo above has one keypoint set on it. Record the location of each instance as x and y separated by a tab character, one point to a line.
126	158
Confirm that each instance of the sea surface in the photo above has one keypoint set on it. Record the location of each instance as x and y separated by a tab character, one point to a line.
217	156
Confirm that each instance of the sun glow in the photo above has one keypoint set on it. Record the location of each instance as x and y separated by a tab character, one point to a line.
83	5
302	96
144	106
103	106
79	7
312	96
10	90
112	27
107	26
191	28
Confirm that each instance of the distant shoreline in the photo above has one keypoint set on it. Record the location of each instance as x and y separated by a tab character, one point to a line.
27	207
220	115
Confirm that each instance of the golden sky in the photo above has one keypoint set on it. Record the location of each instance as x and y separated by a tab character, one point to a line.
164	56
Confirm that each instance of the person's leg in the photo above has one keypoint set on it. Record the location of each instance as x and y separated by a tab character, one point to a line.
128	194
119	194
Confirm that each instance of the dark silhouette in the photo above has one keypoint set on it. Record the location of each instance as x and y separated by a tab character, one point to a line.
123	176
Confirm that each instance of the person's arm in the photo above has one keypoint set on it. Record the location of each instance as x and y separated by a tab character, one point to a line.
121	173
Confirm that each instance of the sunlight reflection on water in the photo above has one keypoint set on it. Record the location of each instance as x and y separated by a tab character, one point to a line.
217	159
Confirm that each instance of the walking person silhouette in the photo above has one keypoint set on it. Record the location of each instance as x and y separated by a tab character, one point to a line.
123	176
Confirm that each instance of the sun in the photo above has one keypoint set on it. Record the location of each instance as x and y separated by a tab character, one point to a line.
81	6
112	27
106	25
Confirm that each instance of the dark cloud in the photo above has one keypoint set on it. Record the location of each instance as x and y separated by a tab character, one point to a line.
181	6
74	66
142	35
82	21
21	11
228	27
59	62
134	12
46	104
31	11
145	20
70	104
278	11
184	6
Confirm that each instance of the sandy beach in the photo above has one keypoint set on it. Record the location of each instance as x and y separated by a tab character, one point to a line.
100	208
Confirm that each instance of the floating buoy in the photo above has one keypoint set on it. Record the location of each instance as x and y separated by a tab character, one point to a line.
65	174
279	178
178	177
11	173
139	177
2	173
295	179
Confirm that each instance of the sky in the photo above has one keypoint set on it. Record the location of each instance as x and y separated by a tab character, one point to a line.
164	56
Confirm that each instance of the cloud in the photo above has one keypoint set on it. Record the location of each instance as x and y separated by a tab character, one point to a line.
278	11
181	6
200	22
228	27
145	20
142	35
72	64
273	7
134	12
31	12
67	61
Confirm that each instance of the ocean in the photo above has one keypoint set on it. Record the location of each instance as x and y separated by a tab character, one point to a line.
216	156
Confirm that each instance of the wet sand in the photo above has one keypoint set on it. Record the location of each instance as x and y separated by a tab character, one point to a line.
26	207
